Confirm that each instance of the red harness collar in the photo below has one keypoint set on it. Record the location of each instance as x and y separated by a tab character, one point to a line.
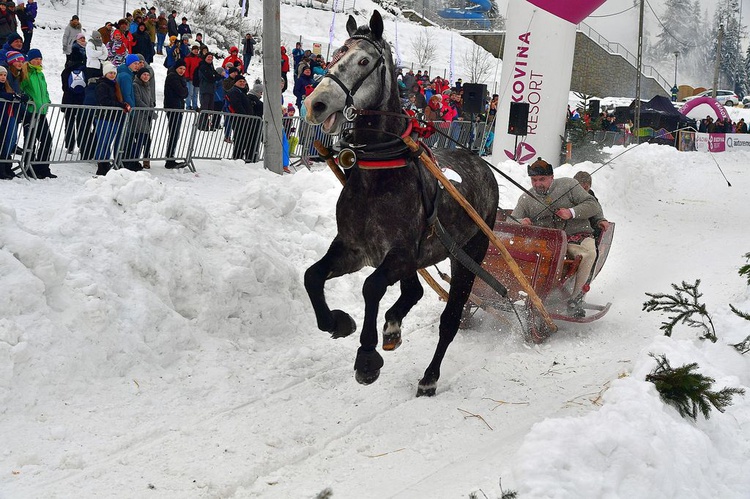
386	164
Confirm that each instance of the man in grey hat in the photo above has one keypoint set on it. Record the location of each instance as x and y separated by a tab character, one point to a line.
562	204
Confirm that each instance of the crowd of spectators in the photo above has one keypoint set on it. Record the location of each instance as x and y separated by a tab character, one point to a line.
111	67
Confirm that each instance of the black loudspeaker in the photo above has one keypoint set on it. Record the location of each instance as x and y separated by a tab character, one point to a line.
622	114
474	97
518	121
593	108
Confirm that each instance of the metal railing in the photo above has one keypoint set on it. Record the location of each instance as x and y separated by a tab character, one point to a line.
65	134
619	49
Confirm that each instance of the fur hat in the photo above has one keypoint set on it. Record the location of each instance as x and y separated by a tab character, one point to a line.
33	54
14	55
108	67
131	58
539	167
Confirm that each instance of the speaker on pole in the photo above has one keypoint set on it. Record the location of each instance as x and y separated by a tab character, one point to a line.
593	108
518	120
474	97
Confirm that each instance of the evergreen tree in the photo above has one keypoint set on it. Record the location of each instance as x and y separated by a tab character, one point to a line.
678	29
732	72
684	29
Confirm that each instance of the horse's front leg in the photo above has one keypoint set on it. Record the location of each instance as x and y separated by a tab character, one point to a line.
336	262
394	267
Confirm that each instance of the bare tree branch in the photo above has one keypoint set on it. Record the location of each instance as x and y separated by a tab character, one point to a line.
478	63
424	47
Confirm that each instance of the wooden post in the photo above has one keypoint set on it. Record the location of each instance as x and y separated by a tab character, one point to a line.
324	153
512	265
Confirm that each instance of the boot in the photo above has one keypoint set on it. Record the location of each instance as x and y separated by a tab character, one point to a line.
6	171
103	167
575	307
146	164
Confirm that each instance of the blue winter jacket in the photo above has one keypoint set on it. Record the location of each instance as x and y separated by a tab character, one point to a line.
125	80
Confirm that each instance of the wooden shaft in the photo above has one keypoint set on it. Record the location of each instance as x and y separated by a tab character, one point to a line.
479	221
442	293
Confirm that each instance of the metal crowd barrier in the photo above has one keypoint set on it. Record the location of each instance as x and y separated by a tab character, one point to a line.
16	126
63	133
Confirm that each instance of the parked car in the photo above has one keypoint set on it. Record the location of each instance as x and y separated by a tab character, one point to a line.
726	97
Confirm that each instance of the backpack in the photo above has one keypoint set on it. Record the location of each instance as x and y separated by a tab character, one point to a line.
77	82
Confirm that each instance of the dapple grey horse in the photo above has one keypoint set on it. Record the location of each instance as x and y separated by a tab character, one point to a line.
383	210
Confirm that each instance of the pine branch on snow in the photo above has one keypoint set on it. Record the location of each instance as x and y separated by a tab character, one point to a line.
745	269
326	493
689	392
684	305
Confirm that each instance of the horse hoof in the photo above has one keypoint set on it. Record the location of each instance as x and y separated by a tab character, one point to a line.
344	325
391	341
367	366
365	377
426	391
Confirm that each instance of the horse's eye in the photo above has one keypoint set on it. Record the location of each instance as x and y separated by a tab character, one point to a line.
364	62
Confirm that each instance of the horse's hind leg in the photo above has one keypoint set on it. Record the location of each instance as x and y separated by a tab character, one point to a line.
462	281
335	263
411	293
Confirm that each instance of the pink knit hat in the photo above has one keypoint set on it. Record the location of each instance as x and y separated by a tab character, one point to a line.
14	55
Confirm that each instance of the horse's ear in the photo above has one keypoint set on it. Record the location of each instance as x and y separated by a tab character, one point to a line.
351	25
376	26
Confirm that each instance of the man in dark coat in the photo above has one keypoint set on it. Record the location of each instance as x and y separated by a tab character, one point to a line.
207	78
248	49
172	24
246	131
142	43
175	93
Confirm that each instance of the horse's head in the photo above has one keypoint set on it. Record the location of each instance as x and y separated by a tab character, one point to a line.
360	76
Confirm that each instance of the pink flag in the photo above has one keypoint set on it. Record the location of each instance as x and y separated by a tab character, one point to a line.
573	11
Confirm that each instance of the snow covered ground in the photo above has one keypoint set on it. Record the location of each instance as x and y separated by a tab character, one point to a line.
156	340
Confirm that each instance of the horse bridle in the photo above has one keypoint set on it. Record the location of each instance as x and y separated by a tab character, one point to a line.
349	111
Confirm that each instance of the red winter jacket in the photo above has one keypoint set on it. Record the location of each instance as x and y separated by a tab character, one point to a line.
284	61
